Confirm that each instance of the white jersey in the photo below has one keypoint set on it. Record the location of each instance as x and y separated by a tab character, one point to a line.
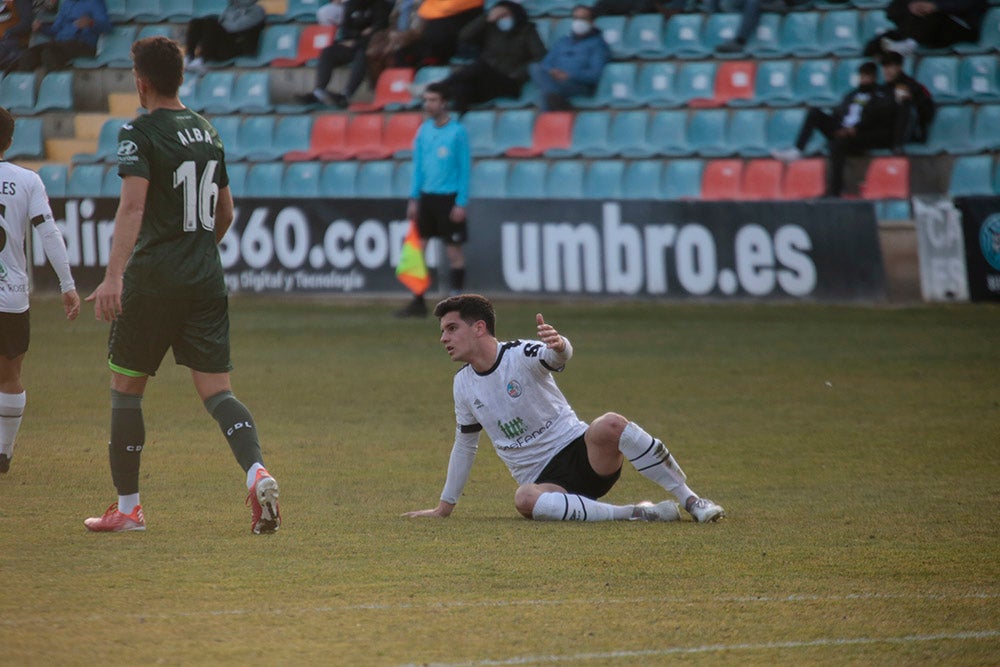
24	204
519	406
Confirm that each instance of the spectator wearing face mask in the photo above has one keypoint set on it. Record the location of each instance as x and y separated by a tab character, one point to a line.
573	65
506	43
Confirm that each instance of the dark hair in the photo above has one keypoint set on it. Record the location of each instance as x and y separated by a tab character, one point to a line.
439	88
158	60
892	58
471	308
590	10
869	69
6	129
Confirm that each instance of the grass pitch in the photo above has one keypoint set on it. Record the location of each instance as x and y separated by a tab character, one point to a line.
856	450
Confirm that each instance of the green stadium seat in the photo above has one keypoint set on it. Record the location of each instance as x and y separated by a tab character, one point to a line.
564	179
615	89
643	37
814	82
668	133
114	49
513	128
55	92
800	34
17	90
682	179
766	39
721	28
971	175
86	180
940	75
589	136
683	36
480	125
302	179
985	136
489	179
54	177
256	139
706	133
655	85
746	132
526	179
642	180
840	33
613	30
251	92
265	179
291	133
402	179
276	42
237	173
107	143
696	82
111	186
339	179
978	78
629	134
375	179
950	132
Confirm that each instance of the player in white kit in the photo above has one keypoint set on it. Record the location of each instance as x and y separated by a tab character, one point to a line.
23	205
562	464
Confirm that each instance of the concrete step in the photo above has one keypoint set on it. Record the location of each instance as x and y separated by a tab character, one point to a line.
63	150
123	105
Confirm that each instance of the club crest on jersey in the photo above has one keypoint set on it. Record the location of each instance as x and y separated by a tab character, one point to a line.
514	389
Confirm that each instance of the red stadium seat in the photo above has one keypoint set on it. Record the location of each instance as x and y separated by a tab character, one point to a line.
722	179
328	133
362	140
312	40
734	80
400	130
887	178
391	90
553	129
804	179
762	179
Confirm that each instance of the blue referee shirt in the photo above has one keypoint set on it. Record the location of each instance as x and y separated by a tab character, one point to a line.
442	161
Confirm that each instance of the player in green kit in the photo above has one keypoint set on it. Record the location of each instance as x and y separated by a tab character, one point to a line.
164	287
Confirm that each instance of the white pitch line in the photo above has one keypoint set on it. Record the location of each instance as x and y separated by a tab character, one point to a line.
497	604
714	648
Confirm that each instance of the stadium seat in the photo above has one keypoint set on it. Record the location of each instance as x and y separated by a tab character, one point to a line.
86	180
392	91
783	127
107	143
265	179
746	132
276	42
552	130
814	82
845	75
642	180
313	39
526	179
111	185
564	180
940	75
362	140
256	139
978	78
228	128
804	179
399	133
513	128
762	180
655	85
55	92
251	92
339	179
989	35
616	88
722	180
17	90
682	179
721	28
142	11
375	179
643	37
800	34
156	30
950	132
734	82
489	179
683	38
668	133
402	179
874	23
603	179
696	83
886	178
971	175
302	179
766	39
291	133
302	10
628	135
706	133
613	30
177	11
772	85
54	177
589	136
328	133
425	76
839	33
985	136
481	127
237	173
114	49
215	93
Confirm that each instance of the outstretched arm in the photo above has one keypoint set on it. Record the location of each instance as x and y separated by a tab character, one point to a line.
463	453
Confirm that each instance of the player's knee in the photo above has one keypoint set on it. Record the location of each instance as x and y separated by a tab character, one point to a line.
608	427
524	500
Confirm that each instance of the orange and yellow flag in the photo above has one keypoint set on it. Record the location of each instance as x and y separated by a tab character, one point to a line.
411	270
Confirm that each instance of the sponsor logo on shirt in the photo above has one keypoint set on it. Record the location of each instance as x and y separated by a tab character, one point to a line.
128	151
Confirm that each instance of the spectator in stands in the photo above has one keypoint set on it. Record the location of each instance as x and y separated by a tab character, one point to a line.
864	120
16	17
629	7
362	18
73	34
332	13
442	21
573	65
934	24
915	106
234	32
403	32
750	14
506	42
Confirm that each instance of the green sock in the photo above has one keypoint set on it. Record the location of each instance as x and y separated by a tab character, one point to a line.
128	436
237	425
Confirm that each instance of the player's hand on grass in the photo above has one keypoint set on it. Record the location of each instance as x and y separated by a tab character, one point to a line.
442	510
71	304
107	299
548	335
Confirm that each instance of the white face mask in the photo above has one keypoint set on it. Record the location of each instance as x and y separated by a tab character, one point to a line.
580	26
505	23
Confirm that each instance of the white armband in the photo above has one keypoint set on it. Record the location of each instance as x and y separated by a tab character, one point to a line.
556	360
55	250
463	453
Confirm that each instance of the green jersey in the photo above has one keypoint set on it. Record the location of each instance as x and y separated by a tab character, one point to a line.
182	157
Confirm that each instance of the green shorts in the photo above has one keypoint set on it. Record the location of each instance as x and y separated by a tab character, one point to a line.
196	329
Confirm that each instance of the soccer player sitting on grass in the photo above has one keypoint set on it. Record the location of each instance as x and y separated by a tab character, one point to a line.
561	463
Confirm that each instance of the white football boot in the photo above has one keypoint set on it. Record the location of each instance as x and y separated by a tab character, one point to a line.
704	510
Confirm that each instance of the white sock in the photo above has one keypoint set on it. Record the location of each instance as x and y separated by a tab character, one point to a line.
652	459
553	506
128	503
11	410
252	474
